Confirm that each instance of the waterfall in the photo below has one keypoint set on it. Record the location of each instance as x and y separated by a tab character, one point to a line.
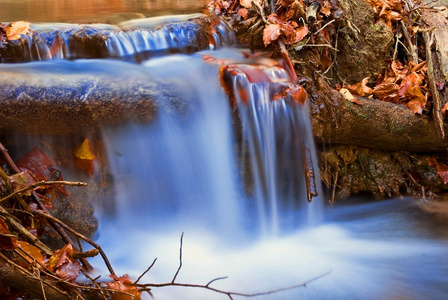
220	158
185	165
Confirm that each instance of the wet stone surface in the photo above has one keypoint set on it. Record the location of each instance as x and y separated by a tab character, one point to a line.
134	40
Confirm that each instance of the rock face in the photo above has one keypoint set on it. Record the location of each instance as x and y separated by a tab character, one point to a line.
363	44
132	40
63	97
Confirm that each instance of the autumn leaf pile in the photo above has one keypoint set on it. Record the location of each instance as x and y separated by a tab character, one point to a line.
23	223
402	84
287	24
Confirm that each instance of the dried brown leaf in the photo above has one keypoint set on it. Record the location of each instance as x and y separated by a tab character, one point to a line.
16	30
360	88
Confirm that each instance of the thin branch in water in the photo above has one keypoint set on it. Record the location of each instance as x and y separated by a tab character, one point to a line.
180	258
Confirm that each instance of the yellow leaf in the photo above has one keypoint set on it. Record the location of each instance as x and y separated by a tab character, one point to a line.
15	30
84	151
33	252
84	157
348	96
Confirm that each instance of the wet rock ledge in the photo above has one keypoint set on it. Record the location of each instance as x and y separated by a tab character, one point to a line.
64	97
133	40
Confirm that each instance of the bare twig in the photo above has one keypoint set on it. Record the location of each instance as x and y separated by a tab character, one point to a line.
230	294
8	159
412	48
41	183
216	279
333	190
180	258
322	28
322	45
146	271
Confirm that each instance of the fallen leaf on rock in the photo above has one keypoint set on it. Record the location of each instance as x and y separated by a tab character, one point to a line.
301	33
15	30
348	96
360	88
243	12
271	33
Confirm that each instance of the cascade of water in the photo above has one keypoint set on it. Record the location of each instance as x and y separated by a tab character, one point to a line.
182	166
276	132
134	41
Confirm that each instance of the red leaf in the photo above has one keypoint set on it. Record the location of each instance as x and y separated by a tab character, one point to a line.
301	33
271	33
7	240
243	12
37	163
34	254
444	108
416	105
442	169
123	284
63	263
386	90
297	93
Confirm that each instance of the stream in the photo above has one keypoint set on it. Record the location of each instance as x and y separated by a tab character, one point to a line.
230	179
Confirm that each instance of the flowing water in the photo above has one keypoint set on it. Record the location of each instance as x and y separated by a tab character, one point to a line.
233	183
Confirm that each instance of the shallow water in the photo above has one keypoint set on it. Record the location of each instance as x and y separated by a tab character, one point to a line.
379	250
112	11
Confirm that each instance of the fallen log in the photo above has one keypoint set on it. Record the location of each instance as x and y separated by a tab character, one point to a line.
374	124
